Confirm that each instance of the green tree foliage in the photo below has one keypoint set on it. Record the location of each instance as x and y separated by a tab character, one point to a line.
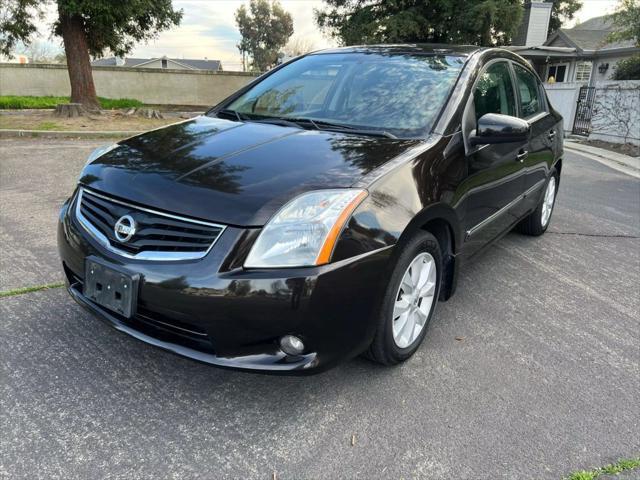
478	22
627	21
628	69
265	29
17	22
562	11
87	27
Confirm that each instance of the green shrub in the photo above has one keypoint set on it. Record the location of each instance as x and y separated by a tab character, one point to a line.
628	69
17	102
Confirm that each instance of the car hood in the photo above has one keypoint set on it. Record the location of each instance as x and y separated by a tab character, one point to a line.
233	172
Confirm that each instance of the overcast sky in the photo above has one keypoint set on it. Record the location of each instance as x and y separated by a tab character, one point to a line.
208	29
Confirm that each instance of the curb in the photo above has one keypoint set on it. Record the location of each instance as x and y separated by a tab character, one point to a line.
4	133
622	163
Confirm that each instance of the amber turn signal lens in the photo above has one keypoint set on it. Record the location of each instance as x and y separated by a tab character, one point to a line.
327	248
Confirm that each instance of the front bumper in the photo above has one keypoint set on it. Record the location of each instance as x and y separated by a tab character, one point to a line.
235	317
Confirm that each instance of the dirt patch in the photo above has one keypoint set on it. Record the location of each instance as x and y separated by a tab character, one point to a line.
623	148
110	120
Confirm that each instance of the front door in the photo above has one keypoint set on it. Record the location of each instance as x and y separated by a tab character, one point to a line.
495	172
539	159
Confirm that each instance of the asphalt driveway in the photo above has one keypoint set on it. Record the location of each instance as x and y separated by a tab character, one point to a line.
531	371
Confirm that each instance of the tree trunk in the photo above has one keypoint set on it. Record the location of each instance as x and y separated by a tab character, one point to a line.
78	62
486	39
69	110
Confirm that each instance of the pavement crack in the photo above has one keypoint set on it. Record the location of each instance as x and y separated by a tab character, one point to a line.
22	291
600	235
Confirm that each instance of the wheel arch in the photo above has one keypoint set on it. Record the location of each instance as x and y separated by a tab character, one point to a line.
558	166
442	222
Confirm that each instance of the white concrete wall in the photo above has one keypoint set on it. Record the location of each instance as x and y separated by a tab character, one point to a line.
616	109
616	112
563	97
152	86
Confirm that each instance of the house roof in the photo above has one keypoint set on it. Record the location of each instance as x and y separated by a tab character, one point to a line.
138	62
200	64
590	35
111	62
543	51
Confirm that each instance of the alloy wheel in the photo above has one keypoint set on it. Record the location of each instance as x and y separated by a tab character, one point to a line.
414	300
547	202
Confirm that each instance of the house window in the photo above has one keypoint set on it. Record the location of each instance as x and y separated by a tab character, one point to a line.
558	72
164	63
583	72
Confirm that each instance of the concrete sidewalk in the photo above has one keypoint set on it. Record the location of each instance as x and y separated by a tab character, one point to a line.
71	134
617	161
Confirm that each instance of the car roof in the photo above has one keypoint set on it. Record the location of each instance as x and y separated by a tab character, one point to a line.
415	48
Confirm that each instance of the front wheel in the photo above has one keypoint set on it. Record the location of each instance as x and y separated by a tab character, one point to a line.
536	223
409	301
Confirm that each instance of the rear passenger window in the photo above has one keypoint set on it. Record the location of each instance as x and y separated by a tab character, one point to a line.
529	89
494	91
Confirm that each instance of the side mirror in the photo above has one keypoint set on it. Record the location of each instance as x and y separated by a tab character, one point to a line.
497	128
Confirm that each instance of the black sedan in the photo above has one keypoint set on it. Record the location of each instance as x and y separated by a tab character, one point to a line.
320	212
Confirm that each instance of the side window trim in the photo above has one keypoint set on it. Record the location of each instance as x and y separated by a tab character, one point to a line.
490	64
471	105
542	97
516	90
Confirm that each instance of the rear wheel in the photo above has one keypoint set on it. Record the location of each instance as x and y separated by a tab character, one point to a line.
537	222
409	301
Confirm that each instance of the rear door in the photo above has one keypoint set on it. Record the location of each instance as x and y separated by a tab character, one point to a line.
494	183
532	107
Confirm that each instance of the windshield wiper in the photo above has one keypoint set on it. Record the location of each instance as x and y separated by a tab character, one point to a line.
231	113
303	122
235	115
341	127
372	133
277	121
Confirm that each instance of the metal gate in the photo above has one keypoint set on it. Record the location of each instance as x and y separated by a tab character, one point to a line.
582	121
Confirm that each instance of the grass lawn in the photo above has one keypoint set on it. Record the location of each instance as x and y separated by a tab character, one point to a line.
15	102
37	288
620	466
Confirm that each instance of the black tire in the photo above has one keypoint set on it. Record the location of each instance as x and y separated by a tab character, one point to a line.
383	349
532	224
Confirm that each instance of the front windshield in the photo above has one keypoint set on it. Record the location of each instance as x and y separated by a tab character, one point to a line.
401	94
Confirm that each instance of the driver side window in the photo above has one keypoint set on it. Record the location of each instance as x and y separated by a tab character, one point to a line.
529	89
493	92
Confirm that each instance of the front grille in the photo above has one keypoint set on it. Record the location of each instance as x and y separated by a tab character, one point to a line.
158	235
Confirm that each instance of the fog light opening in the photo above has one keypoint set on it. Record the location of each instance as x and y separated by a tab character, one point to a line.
291	345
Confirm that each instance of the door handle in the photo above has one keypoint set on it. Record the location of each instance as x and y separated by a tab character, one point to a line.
522	155
552	135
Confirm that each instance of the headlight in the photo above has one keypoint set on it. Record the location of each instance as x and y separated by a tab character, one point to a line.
305	230
98	152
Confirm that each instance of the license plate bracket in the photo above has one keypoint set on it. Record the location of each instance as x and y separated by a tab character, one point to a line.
111	287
